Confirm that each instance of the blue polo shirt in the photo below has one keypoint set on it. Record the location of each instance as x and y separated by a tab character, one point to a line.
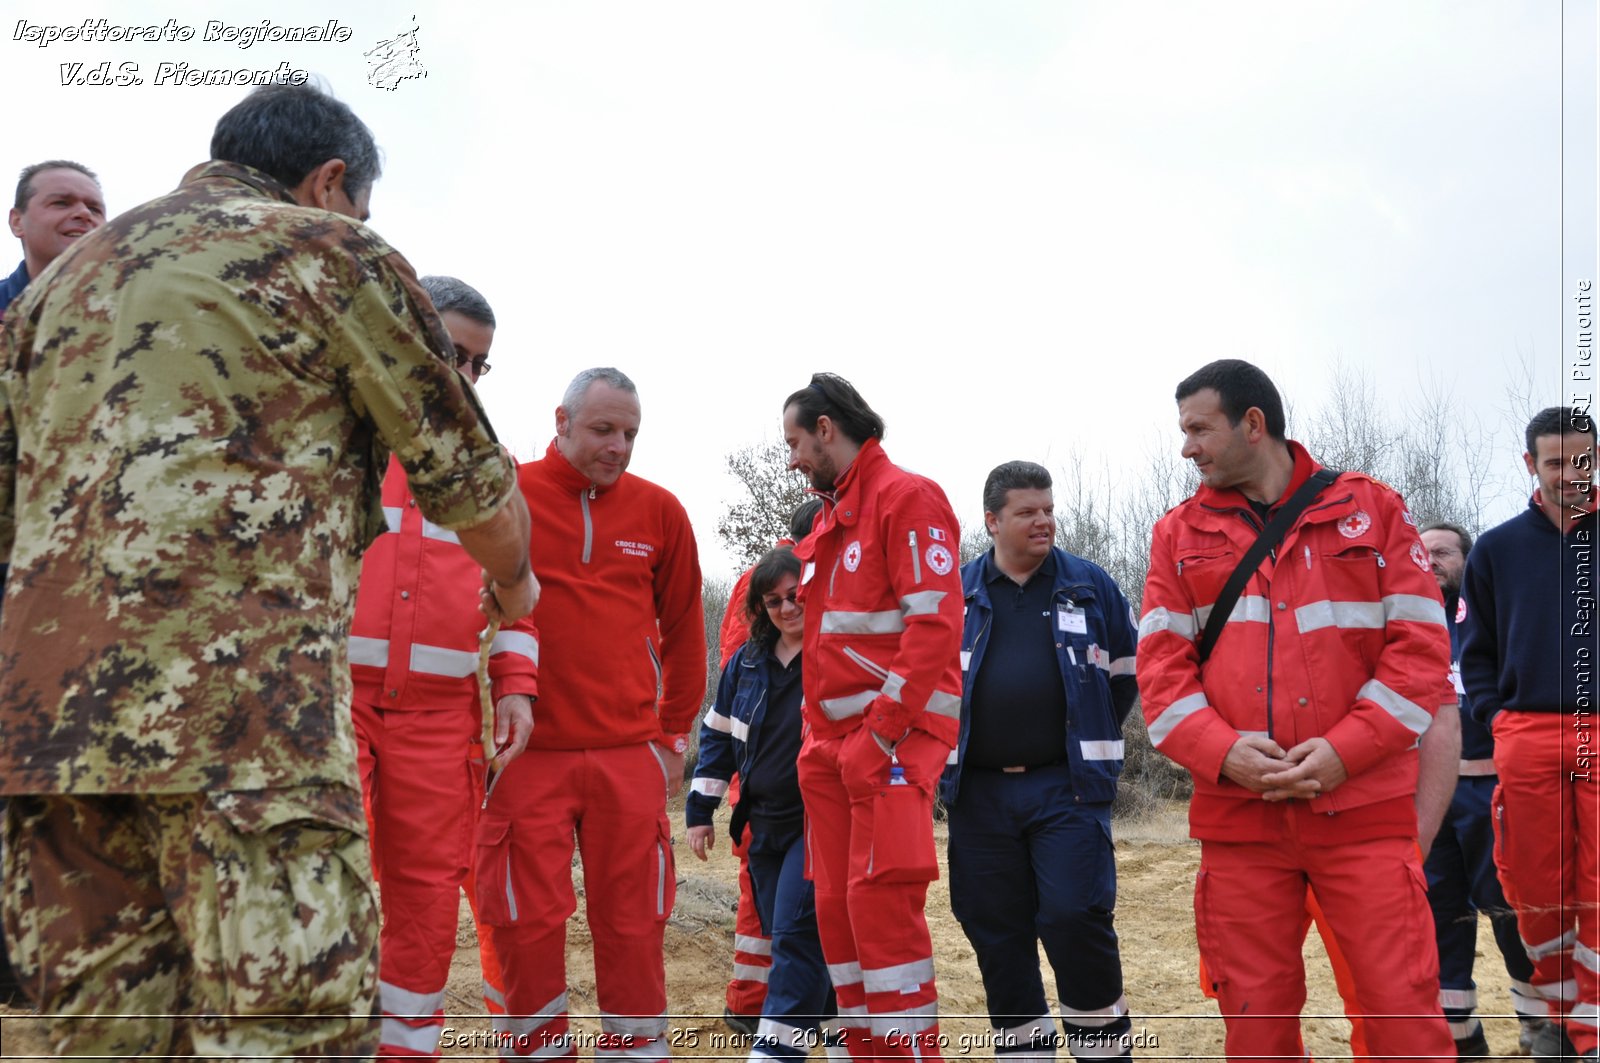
1019	705
13	285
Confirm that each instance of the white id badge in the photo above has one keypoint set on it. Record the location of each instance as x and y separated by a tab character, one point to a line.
1072	620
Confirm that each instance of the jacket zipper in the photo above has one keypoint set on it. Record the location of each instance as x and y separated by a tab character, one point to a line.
588	523
867	664
916	562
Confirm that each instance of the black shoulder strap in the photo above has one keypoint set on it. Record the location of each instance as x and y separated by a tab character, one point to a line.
1268	540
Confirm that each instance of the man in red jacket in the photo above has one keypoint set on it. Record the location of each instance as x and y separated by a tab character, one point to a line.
623	676
1301	726
882	704
414	645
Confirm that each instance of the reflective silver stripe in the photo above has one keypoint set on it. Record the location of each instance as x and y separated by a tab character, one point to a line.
1124	665
1174	714
519	642
396	1001
1250	608
750	972
423	1040
523	1025
892	686
661	860
902	976
857	1012
844	974
511	899
739	729
1096	1016
1584	956
1159	619
492	995
1549	948
755	946
391	517
1317	615
1585	1014
1526	1000
1101	659
1464	1029
942	704
906	1021
718	722
849	705
787	1036
1024	1034
1560	992
1483	766
1413	716
436	660
842	622
1109	750
922	603
634	1025
1458	998
374	653
709	787
430	530
1415	607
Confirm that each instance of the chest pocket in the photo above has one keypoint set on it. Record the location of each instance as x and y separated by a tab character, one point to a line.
1204	561
1345	573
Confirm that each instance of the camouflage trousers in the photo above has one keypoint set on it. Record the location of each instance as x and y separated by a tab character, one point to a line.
231	925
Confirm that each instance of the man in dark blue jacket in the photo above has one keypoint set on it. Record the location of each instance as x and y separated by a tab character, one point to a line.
1528	662
1460	864
1048	662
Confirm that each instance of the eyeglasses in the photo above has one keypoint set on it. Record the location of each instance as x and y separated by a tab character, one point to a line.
480	365
772	601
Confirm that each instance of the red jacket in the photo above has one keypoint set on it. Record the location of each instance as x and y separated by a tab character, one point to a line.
414	637
624	629
1342	636
882	593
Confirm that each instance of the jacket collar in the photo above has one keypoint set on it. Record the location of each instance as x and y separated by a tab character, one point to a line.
975	575
1233	498
566	475
847	490
234	172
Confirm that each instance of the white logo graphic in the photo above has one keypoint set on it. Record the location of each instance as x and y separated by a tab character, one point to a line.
1461	609
852	556
1355	524
1420	556
940	559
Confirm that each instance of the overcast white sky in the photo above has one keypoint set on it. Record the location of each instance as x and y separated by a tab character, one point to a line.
1014	225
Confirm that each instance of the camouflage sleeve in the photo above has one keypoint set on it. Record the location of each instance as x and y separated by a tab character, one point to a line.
8	446
399	378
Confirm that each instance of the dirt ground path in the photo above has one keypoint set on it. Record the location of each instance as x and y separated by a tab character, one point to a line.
1155	863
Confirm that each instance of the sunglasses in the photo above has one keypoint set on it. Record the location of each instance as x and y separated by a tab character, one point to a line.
772	601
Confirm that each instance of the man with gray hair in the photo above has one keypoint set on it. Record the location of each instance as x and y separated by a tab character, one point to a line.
414	659
622	680
229	367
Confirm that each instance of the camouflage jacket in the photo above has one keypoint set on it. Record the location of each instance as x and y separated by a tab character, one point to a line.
196	404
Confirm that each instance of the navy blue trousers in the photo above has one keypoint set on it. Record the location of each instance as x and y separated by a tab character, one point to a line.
1462	883
799	991
1028	864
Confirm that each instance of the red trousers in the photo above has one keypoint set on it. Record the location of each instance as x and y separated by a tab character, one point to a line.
1546	829
1250	918
869	850
614	802
752	949
422	780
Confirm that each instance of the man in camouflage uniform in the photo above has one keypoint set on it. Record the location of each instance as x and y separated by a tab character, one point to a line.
194	420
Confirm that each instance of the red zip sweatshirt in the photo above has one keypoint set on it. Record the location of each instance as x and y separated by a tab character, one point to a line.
621	628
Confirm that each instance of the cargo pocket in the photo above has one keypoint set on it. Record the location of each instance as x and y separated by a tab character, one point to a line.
1422	965
665	893
294	907
495	892
902	836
